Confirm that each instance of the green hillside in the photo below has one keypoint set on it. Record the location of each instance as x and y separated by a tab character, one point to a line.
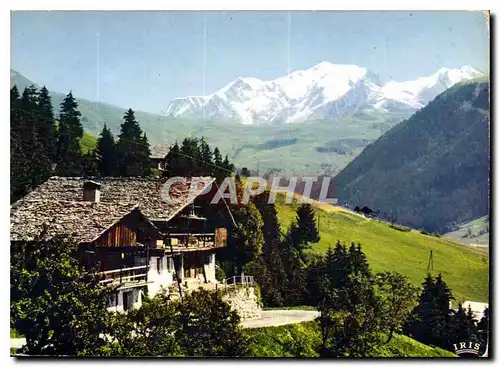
432	170
388	249
303	339
88	142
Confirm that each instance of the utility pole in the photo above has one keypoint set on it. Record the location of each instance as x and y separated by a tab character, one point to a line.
430	263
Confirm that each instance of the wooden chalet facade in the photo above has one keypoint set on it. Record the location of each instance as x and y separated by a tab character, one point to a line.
139	242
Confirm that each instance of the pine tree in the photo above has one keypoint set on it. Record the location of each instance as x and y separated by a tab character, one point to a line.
37	160
351	318
145	154
245	239
463	326
19	172
306	229
106	153
172	162
190	157
228	166
69	153
207	164
357	261
272	254
433	309
295	291
132	148
46	126
218	163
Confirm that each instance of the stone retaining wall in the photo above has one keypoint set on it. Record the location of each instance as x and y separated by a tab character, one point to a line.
244	300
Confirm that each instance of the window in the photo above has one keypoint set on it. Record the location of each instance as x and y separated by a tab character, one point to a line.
112	301
170	264
128	300
159	264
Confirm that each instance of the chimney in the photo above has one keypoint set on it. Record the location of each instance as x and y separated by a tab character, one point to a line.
92	191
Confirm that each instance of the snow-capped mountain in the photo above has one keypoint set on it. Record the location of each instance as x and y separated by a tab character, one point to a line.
324	91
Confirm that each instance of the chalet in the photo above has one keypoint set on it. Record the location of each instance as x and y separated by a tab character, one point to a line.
157	157
140	243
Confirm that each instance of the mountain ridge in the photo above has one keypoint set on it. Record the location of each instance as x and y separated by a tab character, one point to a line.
324	91
430	171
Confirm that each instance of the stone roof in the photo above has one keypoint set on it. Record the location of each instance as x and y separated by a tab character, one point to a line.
159	151
82	220
58	203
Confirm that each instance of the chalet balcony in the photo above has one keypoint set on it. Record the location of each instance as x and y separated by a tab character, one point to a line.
126	277
197	241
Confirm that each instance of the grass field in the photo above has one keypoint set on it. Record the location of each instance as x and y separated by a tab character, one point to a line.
88	142
465	269
303	339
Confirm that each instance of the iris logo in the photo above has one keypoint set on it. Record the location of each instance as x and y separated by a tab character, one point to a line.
468	349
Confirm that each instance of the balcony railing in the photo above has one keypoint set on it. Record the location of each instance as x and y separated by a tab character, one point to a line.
136	275
192	240
238	280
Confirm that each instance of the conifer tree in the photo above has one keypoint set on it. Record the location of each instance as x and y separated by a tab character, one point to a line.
218	163
172	162
19	172
132	148
357	261
69	153
271	253
433	309
190	157
46	126
207	163
37	160
246	239
463	326
106	153
305	230
351	318
228	166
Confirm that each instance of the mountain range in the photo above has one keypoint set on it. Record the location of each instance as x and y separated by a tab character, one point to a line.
324	91
317	146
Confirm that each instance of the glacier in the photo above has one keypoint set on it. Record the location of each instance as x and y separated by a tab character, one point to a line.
324	91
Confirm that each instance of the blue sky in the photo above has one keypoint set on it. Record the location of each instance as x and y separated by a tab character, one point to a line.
143	59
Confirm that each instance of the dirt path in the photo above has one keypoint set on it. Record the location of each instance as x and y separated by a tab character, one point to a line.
280	317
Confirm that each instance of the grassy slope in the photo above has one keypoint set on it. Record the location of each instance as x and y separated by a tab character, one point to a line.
301	340
464	269
88	142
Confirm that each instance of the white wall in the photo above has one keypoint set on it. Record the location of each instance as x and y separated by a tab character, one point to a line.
210	268
118	302
157	280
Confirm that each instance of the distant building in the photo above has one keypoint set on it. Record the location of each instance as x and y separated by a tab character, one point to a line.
157	157
140	242
364	210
